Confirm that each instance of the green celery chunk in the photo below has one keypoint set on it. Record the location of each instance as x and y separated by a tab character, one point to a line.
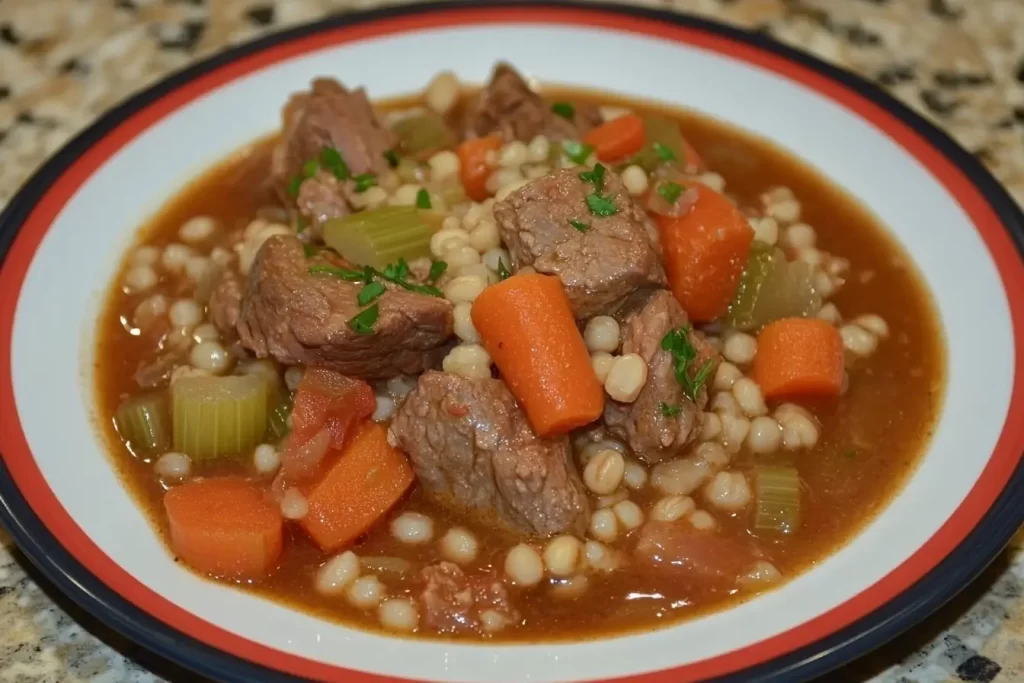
143	421
660	130
381	236
219	416
422	134
778	499
772	288
278	411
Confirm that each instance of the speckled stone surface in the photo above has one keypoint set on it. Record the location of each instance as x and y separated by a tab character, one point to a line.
960	63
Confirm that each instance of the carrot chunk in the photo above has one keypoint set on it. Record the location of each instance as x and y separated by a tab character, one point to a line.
618	138
224	526
365	481
705	252
527	327
474	169
799	357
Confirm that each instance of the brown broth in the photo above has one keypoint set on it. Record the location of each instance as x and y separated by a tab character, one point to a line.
871	438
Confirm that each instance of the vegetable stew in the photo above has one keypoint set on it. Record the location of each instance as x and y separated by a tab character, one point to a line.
504	364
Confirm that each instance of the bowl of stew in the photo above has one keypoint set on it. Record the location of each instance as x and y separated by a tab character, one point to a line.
667	355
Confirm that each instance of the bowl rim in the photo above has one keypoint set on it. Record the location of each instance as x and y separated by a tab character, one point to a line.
967	542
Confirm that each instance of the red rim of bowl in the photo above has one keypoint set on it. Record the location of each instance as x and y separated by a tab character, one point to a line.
132	119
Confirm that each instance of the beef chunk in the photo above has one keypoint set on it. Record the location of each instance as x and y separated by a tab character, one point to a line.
322	198
508	106
301	318
652	434
600	267
225	303
709	558
474	450
452	602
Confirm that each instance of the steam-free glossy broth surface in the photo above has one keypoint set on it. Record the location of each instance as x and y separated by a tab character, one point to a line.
870	437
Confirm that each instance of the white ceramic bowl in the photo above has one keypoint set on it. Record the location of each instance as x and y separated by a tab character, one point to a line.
70	224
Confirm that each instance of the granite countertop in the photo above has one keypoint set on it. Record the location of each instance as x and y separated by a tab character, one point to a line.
960	63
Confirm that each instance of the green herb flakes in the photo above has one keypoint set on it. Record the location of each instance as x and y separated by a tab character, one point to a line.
579	225
577	152
600	205
564	109
663	152
364	181
684	353
437	269
370	292
423	199
363	322
670	410
670	191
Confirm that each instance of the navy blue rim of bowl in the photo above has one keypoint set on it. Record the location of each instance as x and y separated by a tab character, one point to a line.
982	545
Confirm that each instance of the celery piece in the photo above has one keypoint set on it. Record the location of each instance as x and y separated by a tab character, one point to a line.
218	416
772	288
278	411
381	236
662	138
143	422
778	499
420	135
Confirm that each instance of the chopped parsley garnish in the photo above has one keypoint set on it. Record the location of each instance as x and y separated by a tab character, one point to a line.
684	353
663	152
594	177
293	185
310	250
579	225
310	168
364	181
564	109
300	224
437	269
333	162
396	271
670	191
370	292
600	205
503	272
346	274
670	410
577	152
423	199
362	322
391	156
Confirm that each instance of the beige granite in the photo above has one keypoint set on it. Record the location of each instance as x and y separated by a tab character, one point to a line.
960	63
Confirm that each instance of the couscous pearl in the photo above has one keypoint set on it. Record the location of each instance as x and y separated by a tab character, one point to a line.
337	573
149	309
672	508
857	340
635	180
588	451
713	180
400	386
197	229
464	255
739	348
604	525
603	473
293	504
749	397
174	257
459	545
524	566
140	279
266	459
711	427
599	556
495	259
365	592
197	268
762	573
463	326
398	614
173	466
446	239
444	164
800	236
513	154
629	514
602	362
205	332
485	237
626	378
185	313
293	375
728	491
611	499
442	92
571	588
145	256
874	324
765	435
766	230
725	375
634	476
601	334
464	289
412	528
538	149
830	314
734	431
562	555
702	520
725	403
492	621
210	355
384	409
468	360
798	428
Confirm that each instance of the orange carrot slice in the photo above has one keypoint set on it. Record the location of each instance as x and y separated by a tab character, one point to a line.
618	138
799	357
474	168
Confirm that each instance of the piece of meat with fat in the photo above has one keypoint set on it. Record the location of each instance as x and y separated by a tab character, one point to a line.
322	198
662	422
708	558
508	106
473	450
601	266
453	603
302	318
